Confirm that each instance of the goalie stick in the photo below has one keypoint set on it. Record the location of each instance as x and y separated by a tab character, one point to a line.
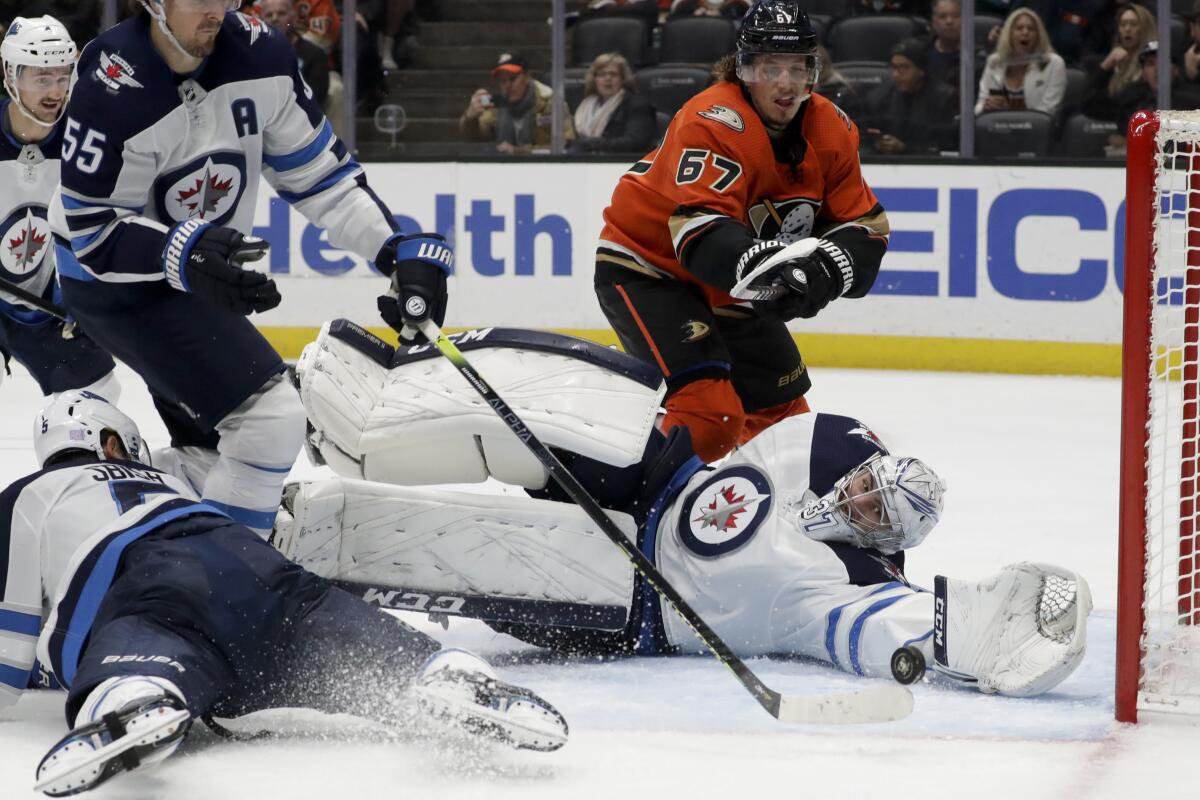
874	704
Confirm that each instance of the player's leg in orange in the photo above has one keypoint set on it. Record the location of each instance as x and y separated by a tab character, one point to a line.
711	411
758	421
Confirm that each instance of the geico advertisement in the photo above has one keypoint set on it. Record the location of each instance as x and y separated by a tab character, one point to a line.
1030	253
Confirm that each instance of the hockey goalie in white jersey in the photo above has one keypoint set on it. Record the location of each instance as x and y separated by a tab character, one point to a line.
794	544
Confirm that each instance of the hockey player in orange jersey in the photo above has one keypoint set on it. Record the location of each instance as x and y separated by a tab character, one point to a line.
752	211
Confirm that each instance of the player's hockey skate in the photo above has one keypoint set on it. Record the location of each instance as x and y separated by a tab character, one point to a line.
141	732
1018	633
461	689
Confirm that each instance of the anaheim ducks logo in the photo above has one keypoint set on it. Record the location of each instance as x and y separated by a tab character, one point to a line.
726	116
785	220
694	330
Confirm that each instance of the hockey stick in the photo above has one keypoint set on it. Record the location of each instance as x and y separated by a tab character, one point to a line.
875	704
30	299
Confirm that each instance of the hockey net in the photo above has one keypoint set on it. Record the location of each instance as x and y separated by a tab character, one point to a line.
1158	614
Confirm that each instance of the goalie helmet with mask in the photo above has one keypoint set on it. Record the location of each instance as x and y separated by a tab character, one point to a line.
38	55
776	27
886	503
76	420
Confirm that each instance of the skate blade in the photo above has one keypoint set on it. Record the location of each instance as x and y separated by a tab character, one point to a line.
59	777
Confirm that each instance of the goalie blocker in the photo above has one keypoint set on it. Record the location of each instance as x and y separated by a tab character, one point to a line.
738	541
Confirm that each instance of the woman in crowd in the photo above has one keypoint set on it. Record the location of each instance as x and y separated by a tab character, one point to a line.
1024	72
612	117
1136	27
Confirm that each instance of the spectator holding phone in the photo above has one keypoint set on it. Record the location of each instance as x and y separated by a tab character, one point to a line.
517	115
1024	72
912	115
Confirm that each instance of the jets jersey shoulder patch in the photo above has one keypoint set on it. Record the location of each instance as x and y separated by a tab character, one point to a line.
726	116
723	513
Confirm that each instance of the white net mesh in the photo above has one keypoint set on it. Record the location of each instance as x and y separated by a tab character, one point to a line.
1170	673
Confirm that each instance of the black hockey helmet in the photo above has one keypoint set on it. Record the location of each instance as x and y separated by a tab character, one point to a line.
776	27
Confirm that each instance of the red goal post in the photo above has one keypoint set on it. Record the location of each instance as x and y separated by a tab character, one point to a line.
1158	591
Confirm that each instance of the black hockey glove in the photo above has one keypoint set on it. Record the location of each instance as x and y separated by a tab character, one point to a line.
206	260
418	265
795	287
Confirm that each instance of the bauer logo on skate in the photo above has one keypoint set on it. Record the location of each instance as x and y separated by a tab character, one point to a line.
725	511
206	190
24	242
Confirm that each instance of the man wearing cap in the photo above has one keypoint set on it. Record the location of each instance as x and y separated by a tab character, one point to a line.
517	115
912	115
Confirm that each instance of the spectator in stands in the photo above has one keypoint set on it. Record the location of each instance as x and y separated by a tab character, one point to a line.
1191	55
320	21
729	9
517	117
1140	94
314	62
612	117
913	115
945	43
1136	27
1024	72
1078	29
833	85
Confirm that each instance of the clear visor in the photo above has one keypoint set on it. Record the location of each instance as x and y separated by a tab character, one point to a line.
32	81
199	6
803	70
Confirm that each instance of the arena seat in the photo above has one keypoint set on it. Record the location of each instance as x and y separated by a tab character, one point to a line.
1085	137
668	87
596	35
1013	134
696	40
871	38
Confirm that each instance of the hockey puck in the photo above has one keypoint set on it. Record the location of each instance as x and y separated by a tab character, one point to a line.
908	665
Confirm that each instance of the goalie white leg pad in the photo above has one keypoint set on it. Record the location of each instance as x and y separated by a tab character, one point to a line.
1018	633
437	540
419	422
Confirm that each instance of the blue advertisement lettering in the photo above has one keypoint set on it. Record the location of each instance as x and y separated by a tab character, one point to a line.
314	245
964	242
278	233
1006	275
528	228
913	283
480	224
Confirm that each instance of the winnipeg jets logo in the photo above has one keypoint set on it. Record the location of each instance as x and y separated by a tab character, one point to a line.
694	330
115	72
725	511
206	193
253	26
726	116
24	244
787	221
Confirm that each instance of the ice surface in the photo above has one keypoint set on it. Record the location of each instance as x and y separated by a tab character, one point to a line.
1031	464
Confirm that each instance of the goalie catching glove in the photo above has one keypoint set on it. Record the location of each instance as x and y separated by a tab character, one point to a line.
418	266
793	280
206	260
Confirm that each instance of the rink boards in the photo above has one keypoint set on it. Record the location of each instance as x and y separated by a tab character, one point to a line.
996	269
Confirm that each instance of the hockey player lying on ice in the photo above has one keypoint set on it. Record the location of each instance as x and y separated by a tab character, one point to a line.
794	544
159	609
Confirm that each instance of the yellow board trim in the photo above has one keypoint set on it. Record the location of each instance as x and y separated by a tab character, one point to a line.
933	353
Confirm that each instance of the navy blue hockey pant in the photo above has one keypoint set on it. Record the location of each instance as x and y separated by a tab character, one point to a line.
57	364
204	359
208	605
